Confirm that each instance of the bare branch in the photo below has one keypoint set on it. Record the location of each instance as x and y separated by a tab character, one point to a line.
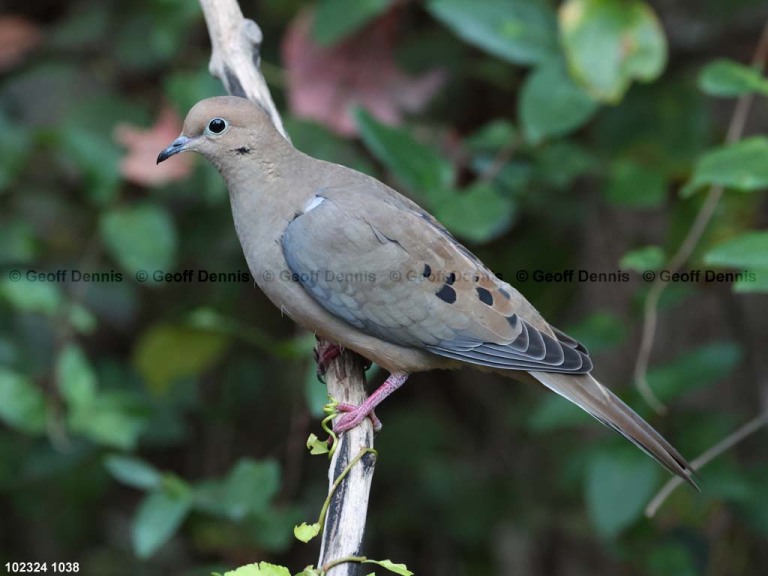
724	445
235	59
699	226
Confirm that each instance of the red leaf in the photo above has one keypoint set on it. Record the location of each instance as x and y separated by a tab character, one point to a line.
139	164
324	83
18	36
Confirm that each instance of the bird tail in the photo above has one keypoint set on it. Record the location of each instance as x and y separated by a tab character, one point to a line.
595	399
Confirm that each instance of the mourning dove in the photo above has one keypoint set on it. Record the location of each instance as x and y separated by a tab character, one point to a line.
352	260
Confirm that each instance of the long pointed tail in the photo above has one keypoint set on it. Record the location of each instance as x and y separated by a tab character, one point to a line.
595	399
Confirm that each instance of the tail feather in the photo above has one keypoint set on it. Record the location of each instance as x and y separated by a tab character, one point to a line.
595	399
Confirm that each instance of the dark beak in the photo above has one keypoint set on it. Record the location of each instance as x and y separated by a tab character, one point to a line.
177	146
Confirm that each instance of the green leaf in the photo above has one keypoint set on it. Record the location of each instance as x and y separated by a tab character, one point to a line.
729	78
642	259
551	104
259	569
133	472
637	185
495	135
417	166
140	237
610	43
113	418
751	281
520	31
478	213
305	532
554	412
156	521
32	295
17	241
741	166
618	486
748	250
250	487
694	370
22	404
166	353
334	20
672	558
316	446
400	569
75	377
599	331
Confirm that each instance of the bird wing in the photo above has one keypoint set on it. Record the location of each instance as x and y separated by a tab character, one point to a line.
377	260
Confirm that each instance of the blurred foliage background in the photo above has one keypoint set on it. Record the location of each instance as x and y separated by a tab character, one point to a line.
157	425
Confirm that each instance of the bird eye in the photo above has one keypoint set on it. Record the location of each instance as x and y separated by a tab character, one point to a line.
217	126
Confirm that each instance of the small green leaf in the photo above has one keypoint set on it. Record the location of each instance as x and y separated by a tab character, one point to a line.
554	412
642	259
305	532
599	331
749	250
22	404
417	166
478	213
633	184
166	353
133	472
316	446
751	281
610	43
334	20
400	569
75	377
32	295
741	166
156	521
519	31
140	237
250	487
113	418
493	136
259	569
551	104
618	486
694	370
729	78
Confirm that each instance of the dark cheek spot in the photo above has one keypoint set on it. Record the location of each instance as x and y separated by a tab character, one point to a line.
485	296
243	150
447	294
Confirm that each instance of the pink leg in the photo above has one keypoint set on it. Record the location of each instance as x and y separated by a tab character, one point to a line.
356	414
324	353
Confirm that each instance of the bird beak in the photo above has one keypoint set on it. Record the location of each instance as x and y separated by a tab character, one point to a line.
178	145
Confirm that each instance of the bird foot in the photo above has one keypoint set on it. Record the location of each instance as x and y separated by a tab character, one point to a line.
325	353
353	415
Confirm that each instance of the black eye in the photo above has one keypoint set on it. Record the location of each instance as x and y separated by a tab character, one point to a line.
217	126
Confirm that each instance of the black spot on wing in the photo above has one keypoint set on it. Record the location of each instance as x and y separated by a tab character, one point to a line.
427	271
451	279
447	294
504	293
485	296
